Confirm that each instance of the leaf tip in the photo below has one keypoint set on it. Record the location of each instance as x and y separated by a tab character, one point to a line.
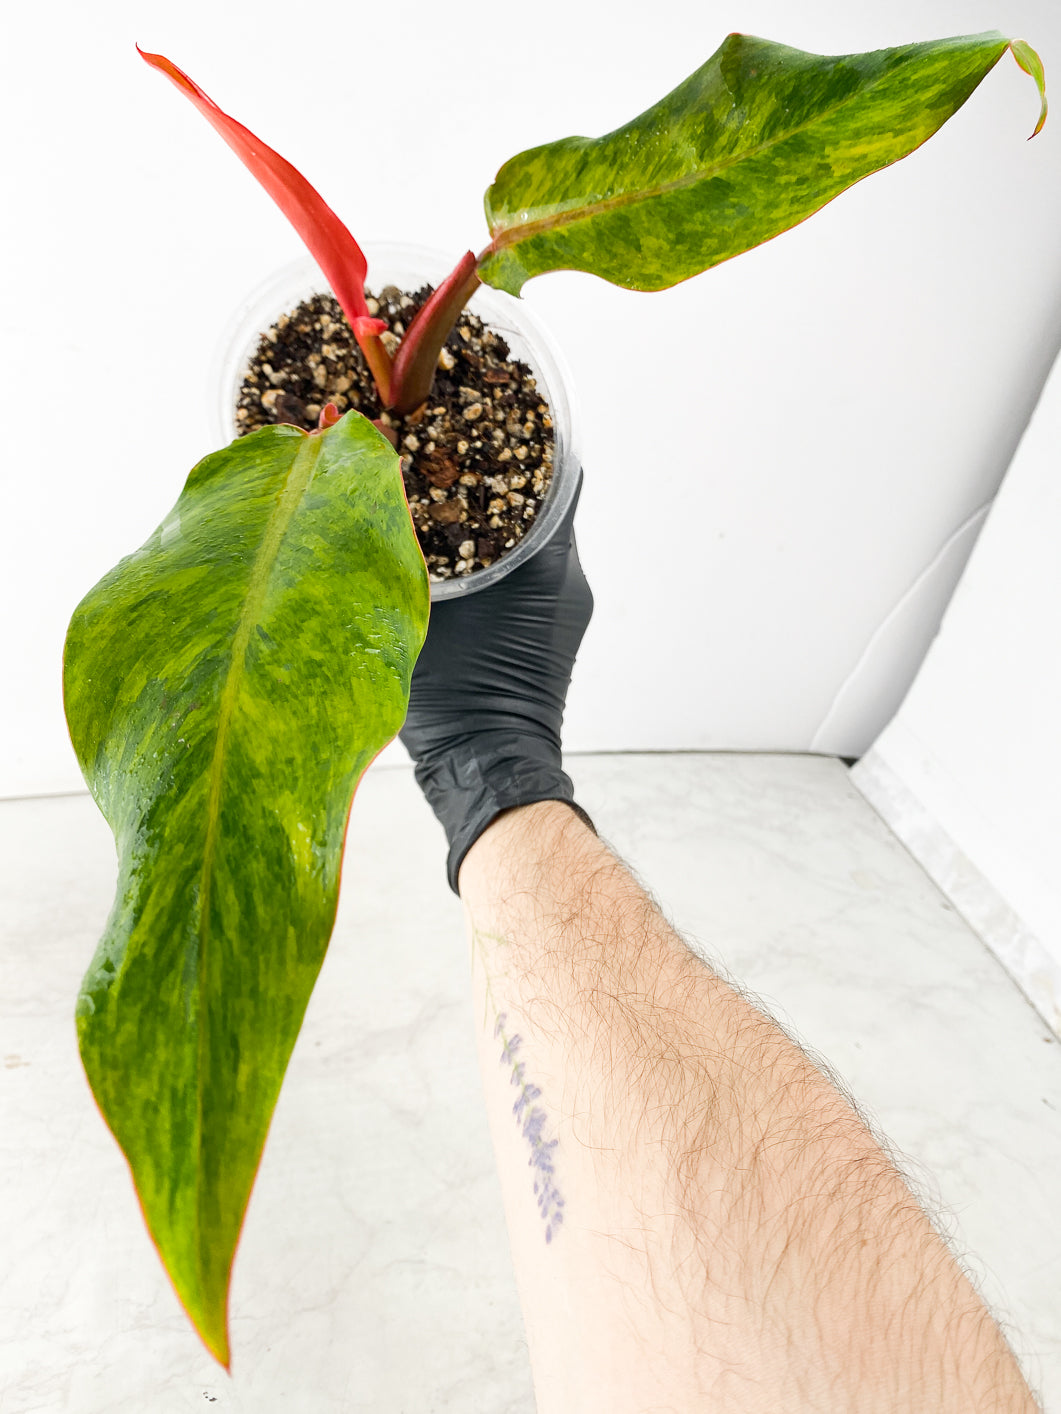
218	1346
177	76
208	1313
1028	60
224	1356
157	61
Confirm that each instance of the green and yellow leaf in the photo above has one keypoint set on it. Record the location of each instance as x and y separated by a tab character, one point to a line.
754	142
226	685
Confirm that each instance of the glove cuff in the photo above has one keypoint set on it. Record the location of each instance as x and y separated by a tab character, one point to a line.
474	783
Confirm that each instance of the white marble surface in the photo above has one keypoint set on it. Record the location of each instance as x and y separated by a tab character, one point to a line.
1031	959
374	1273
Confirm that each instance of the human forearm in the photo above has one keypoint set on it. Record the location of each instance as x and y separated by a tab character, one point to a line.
725	1233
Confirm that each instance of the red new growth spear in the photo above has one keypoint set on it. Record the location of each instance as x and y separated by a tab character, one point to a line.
331	244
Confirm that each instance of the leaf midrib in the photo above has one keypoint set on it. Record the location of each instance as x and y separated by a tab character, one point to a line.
287	503
514	234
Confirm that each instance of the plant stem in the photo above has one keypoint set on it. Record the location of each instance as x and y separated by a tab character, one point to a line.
417	358
379	362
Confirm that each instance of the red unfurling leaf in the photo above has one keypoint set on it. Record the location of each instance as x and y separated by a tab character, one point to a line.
330	243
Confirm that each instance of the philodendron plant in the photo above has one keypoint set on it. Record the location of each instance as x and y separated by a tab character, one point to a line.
227	684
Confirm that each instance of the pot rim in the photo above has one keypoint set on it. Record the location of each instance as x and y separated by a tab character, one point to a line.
406	266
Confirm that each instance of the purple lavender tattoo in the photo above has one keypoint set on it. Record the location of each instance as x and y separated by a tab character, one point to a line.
531	1118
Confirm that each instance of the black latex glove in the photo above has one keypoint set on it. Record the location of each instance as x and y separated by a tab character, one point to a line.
488	693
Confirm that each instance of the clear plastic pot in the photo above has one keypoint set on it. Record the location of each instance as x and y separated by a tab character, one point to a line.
408	267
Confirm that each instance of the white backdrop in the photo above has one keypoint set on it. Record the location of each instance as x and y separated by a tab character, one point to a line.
857	386
968	773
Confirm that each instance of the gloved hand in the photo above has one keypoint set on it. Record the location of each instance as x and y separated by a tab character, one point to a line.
488	693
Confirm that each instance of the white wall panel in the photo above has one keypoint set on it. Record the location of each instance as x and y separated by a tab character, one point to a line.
968	773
